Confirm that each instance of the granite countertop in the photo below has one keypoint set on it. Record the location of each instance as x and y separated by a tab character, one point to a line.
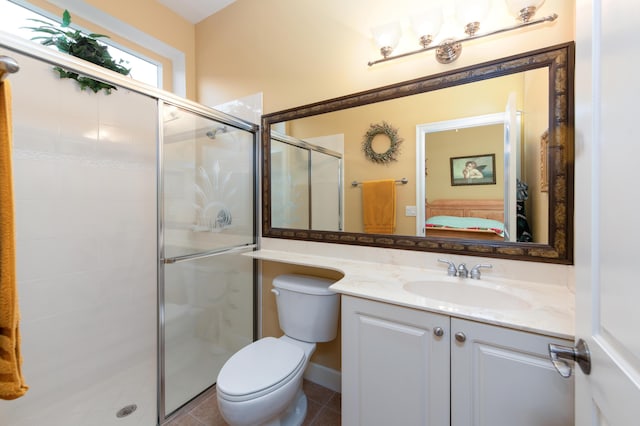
528	306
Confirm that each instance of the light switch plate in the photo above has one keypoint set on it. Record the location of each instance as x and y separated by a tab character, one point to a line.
410	210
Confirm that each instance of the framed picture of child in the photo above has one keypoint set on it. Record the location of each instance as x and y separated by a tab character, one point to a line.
473	170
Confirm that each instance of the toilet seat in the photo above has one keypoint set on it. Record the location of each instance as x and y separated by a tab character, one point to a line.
258	369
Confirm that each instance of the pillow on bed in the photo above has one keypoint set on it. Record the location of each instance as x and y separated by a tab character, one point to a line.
470	223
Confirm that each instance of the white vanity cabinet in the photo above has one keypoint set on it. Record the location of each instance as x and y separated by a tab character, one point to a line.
396	369
503	377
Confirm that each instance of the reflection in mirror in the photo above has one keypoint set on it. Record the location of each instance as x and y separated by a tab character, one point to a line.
290	174
527	95
509	201
308	178
326	191
465	187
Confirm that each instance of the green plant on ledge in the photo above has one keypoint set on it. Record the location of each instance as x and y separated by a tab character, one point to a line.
82	46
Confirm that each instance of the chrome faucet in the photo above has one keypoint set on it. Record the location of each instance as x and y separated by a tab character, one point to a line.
463	272
451	270
475	271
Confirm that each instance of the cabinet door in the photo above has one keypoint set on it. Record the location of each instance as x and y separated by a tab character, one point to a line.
503	377
395	369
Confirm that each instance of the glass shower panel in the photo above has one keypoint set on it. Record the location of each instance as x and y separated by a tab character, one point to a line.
208	314
208	220
208	184
290	190
326	202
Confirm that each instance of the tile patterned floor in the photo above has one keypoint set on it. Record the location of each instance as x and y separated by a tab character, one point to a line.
324	407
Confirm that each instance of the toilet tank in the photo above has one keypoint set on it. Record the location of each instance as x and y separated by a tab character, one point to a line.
307	309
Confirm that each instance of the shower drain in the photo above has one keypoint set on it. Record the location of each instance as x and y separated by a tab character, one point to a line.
125	411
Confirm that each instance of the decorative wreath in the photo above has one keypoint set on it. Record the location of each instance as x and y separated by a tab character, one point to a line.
394	143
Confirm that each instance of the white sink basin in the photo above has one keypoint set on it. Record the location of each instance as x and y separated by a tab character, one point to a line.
466	294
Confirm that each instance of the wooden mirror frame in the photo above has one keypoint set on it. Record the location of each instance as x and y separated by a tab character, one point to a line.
560	161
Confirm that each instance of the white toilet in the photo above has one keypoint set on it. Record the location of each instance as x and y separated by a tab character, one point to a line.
262	383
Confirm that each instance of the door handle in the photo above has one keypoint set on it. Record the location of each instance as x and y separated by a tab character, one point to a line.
561	354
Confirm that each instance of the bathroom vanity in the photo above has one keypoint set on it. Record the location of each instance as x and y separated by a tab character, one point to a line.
406	366
422	348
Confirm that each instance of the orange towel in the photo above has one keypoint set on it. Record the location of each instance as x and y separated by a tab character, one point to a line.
11	381
379	206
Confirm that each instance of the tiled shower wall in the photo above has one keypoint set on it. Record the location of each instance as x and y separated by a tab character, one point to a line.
86	226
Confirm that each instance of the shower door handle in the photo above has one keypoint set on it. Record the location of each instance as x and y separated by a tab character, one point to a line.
210	253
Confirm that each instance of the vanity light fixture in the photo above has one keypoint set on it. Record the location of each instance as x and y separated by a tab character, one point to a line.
469	12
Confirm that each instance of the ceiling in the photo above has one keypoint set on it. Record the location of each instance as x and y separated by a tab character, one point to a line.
195	11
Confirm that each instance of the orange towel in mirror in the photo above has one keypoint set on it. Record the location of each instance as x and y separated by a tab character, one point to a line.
379	206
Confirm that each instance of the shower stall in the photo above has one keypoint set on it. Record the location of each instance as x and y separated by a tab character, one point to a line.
307	179
133	214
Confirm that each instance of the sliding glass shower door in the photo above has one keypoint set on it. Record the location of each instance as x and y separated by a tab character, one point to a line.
207	223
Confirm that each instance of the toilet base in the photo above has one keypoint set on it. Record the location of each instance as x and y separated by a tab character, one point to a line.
295	414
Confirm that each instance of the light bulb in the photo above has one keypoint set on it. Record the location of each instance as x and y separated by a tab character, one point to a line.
427	25
387	37
470	13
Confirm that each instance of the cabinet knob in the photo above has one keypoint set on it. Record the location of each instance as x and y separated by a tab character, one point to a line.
460	337
438	331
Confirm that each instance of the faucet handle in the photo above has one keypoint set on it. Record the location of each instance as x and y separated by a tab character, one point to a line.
475	271
463	271
451	270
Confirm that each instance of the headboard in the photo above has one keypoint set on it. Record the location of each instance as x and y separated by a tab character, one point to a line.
486	209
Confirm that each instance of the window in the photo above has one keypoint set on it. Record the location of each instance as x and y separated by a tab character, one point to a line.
14	18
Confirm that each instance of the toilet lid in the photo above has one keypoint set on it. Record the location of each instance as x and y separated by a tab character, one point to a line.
265	363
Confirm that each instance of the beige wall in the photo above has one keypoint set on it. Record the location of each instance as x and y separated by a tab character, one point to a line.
152	18
298	52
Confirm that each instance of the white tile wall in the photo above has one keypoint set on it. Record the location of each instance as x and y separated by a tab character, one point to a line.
85	192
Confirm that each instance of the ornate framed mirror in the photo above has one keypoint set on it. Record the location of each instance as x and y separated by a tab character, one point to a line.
542	82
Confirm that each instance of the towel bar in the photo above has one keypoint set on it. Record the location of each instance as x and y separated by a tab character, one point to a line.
402	181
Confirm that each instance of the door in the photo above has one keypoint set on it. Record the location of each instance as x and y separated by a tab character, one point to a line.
491	365
511	167
395	365
607	289
425	138
207	223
